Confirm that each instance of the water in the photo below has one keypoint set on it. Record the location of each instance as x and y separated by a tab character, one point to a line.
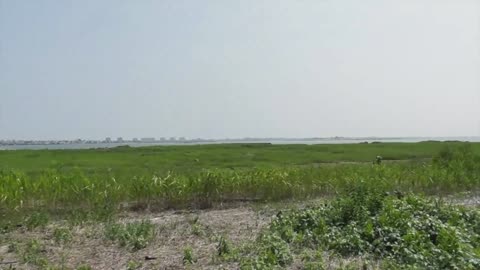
273	141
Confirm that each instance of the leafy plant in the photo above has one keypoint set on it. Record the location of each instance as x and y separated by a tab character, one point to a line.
132	265
32	254
136	235
62	235
409	230
223	246
36	220
188	257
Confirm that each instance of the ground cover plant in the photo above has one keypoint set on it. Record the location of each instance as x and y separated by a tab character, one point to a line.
135	235
394	231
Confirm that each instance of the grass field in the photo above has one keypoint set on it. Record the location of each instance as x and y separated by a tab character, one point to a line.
184	176
59	193
135	161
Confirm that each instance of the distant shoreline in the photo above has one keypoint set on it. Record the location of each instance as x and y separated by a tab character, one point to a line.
310	141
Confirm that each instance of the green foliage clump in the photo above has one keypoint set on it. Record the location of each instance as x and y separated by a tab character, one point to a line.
458	157
406	230
36	220
271	250
62	235
188	257
136	235
223	246
132	265
33	254
378	160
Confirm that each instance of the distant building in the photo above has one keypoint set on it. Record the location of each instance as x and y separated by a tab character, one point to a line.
163	139
147	139
173	139
135	140
119	140
108	140
182	139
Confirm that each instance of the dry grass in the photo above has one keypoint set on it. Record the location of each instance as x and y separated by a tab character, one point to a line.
174	231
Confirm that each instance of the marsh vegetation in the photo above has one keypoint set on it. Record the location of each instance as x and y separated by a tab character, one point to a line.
288	206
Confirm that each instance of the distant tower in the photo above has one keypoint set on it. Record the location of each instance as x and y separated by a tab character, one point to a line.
108	140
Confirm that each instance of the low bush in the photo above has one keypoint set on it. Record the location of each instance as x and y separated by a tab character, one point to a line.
405	230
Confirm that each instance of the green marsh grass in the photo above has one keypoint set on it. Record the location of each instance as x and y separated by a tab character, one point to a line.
64	191
80	190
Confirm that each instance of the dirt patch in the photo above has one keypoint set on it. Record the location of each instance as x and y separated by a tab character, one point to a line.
174	231
469	199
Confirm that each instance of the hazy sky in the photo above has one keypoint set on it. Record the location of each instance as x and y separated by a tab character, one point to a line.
214	69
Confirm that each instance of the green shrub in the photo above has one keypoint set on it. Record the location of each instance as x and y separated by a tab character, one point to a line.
409	230
136	235
36	220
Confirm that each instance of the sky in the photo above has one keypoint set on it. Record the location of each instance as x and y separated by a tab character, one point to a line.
252	68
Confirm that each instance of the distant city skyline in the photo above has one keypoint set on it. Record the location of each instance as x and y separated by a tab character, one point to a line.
90	144
179	139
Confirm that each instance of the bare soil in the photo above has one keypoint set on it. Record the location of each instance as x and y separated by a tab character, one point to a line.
174	231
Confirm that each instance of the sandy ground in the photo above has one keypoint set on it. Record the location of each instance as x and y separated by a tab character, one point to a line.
174	231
